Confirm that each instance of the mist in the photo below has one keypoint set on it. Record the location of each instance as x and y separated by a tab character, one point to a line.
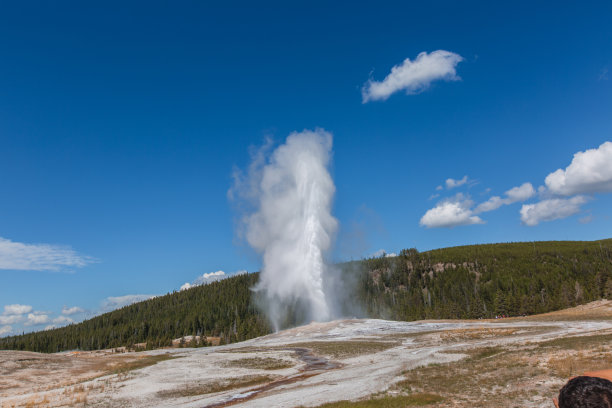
289	222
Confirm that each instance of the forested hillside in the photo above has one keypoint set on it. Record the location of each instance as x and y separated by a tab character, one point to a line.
461	282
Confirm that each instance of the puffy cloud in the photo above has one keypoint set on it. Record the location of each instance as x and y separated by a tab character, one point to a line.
589	172
551	209
439	188
414	76
36	318
62	320
186	286
451	213
50	327
4	330
117	302
520	193
16	309
38	257
452	183
69	311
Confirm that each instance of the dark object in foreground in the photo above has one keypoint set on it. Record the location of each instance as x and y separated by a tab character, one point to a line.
586	392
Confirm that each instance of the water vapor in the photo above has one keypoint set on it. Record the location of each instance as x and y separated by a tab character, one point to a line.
288	221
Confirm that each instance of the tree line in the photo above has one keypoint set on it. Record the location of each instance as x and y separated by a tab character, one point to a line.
476	281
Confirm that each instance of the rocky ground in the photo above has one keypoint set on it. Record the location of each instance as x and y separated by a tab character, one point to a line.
517	362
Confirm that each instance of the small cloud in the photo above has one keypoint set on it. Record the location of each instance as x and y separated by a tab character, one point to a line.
586	219
69	311
382	253
431	197
515	194
117	302
551	209
50	327
4	330
36	319
589	172
452	183
210	277
451	213
603	75
63	320
439	188
16	309
414	76
39	257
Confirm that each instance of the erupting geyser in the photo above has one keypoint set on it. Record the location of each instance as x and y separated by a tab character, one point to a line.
291	225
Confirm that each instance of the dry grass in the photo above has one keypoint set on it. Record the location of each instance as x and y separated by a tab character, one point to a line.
260	363
345	349
192	390
414	400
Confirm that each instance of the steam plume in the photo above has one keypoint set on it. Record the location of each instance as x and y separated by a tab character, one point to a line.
290	225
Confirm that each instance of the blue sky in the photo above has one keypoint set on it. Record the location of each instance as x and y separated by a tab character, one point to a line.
121	124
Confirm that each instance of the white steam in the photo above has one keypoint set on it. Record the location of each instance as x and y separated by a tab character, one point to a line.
290	223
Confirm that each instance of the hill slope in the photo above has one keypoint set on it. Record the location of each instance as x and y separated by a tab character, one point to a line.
460	282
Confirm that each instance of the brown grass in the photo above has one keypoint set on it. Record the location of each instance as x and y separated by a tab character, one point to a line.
413	400
345	349
259	363
192	390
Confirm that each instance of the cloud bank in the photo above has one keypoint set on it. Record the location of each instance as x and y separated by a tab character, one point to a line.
38	257
414	76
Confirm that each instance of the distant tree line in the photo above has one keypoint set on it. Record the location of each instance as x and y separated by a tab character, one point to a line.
478	281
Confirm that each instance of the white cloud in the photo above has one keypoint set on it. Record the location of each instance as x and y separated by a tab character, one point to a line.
210	277
589	172
515	194
4	330
451	213
382	252
62	320
68	311
16	309
50	327
12	319
439	188
117	302
414	76
38	257
520	193
551	209
35	319
452	183
586	219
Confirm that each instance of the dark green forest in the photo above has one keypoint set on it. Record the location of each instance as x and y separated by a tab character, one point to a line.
477	281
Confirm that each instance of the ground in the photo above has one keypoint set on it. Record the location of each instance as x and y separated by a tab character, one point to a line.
516	362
